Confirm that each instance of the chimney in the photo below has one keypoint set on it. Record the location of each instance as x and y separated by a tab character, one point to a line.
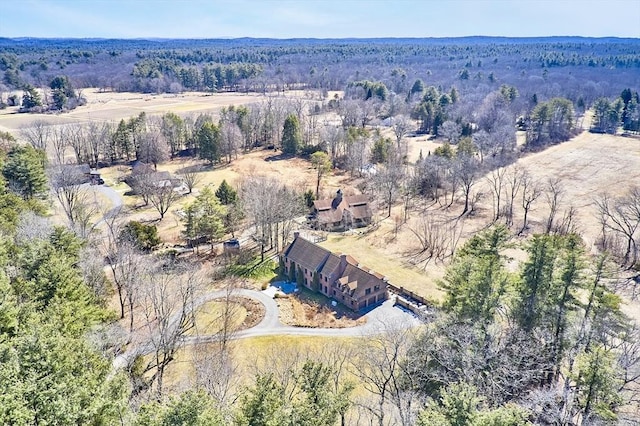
343	264
296	235
335	203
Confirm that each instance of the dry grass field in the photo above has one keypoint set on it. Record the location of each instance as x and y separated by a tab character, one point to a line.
251	356
112	106
296	172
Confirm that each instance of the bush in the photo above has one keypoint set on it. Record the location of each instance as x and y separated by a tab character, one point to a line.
145	237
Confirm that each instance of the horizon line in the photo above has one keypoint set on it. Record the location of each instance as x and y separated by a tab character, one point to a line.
152	38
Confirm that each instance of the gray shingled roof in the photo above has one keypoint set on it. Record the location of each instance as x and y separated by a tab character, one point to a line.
328	212
307	254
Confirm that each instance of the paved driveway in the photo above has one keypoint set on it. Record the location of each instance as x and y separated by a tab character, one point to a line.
270	325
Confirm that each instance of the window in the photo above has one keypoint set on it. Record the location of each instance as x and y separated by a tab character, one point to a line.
376	288
367	291
334	292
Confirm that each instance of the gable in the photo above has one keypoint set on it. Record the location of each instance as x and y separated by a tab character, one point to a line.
359	280
306	254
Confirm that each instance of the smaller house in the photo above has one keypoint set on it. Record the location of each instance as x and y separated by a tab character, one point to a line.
342	212
145	175
339	277
77	174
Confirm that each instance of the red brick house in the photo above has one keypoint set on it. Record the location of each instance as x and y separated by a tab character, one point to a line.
339	277
341	212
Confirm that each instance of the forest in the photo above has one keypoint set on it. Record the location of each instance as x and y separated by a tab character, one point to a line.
527	288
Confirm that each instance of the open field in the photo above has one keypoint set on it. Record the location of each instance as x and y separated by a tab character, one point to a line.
588	165
114	106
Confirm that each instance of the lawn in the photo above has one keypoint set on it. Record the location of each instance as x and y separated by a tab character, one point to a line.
399	273
209	316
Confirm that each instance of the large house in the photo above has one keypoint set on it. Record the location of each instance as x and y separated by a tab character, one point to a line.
339	277
341	212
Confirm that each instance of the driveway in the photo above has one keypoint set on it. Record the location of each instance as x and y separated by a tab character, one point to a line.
270	325
114	198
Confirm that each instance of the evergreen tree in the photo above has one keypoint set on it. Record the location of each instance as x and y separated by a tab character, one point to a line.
24	171
226	194
144	237
204	217
31	98
208	140
191	408
263	404
477	279
291	135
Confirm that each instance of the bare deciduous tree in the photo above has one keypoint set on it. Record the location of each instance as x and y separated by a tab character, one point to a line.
190	176
334	138
466	169
152	148
271	207
388	181
168	300
621	217
379	364
438	238
37	134
75	197
514	179
127	264
59	138
531	191
32	227
401	126
451	131
496	179
553	195
162	197
230	140
91	264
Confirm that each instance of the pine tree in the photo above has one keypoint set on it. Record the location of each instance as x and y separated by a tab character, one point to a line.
226	194
208	138
291	135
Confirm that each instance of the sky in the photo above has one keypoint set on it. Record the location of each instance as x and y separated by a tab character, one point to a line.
318	18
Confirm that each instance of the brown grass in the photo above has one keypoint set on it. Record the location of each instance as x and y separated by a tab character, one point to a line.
384	253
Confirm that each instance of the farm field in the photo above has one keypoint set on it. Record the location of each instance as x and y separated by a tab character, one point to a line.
114	106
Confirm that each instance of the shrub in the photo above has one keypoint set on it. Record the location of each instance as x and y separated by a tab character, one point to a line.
145	237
